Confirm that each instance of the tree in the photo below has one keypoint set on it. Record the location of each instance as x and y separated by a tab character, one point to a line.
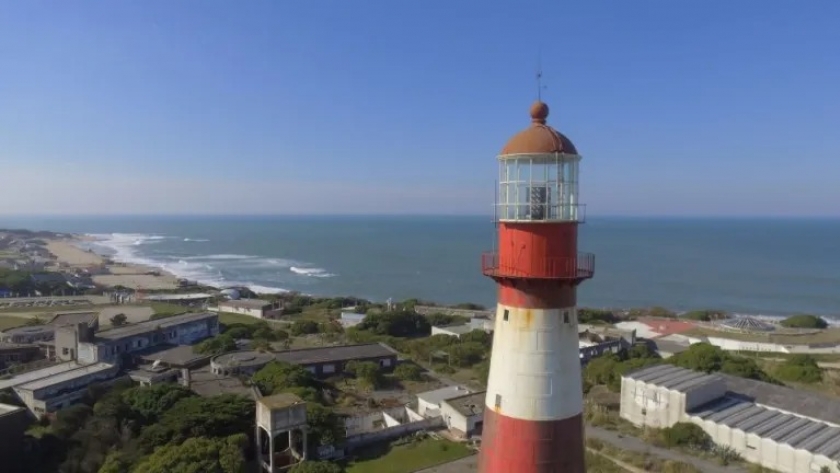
709	358
118	319
216	345
801	369
596	316
396	324
217	416
804	321
325	426
408	372
704	315
149	403
465	354
316	467
277	377
304	327
198	455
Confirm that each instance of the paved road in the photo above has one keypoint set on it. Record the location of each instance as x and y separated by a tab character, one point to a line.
637	445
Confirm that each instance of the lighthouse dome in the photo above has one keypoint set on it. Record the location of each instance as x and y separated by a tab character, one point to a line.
539	138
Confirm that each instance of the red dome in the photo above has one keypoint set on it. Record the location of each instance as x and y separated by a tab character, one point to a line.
539	138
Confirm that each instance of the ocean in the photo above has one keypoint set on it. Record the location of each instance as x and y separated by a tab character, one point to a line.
770	267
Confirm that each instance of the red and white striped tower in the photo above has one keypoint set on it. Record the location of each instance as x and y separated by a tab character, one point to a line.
533	416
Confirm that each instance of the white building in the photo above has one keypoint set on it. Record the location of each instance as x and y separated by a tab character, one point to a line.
351	319
464	414
258	308
429	402
787	430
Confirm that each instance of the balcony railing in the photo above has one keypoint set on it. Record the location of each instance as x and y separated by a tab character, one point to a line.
572	268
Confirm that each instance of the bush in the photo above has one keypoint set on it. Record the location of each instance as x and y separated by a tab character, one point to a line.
804	321
408	372
686	434
316	467
304	327
800	369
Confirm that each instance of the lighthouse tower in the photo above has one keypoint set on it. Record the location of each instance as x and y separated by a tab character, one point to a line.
533	415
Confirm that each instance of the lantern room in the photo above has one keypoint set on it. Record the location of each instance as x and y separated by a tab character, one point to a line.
538	175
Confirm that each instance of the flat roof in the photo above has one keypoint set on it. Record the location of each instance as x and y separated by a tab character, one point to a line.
672	377
30	330
798	432
439	395
78	372
279	401
246	303
308	356
469	404
206	384
72	318
30	376
799	401
178	297
669	346
150	325
244	358
460	329
172	354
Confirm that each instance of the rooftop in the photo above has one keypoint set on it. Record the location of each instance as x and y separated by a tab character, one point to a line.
204	383
801	402
460	329
173	355
30	376
8	409
798	432
669	346
30	330
73	318
443	394
672	377
468	404
243	358
279	401
309	356
78	372
150	325
246	303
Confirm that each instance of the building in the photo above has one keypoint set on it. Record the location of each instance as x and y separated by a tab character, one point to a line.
456	330
240	363
28	334
350	319
534	395
786	430
110	345
12	354
281	432
257	308
464	414
429	402
330	360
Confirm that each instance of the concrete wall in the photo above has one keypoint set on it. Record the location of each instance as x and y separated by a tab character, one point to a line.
257	313
429	310
455	420
393	432
651	405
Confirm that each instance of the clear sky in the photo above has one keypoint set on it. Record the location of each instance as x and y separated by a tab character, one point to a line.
712	107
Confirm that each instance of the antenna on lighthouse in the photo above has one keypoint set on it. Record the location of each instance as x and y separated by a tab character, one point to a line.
540	86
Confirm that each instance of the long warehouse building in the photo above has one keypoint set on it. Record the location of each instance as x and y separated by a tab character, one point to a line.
787	430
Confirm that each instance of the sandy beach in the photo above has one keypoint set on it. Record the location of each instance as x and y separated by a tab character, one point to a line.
116	274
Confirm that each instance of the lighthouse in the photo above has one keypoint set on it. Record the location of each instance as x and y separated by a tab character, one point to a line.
533	415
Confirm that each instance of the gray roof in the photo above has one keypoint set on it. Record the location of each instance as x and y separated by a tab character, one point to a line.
798	432
30	330
439	395
151	325
244	358
29	376
668	346
73	318
177	355
802	402
65	376
246	303
672	377
309	356
468	405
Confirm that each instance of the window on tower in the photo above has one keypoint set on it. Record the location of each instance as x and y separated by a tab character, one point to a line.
539	187
498	401
565	316
505	316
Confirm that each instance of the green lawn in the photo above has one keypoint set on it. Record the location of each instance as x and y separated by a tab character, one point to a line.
7	322
408	458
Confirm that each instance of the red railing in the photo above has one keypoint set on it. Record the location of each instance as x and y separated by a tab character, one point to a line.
577	267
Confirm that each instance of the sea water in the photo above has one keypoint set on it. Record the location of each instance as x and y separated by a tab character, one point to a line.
770	267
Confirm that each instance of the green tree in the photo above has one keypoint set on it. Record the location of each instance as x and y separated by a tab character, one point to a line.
396	324
217	416
466	354
316	467
804	321
408	372
303	327
277	377
115	463
596	316
198	455
216	346
149	403
325	426
118	319
709	358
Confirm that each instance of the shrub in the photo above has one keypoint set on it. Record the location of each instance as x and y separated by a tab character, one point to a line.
801	369
804	321
408	372
686	434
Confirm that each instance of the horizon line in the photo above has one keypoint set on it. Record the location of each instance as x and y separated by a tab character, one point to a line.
420	215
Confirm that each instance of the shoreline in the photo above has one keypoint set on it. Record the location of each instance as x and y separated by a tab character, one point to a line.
69	251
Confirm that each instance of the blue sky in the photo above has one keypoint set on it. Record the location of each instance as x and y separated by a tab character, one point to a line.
692	108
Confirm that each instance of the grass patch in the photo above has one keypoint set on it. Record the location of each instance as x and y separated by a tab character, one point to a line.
406	458
7	322
166	309
601	464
